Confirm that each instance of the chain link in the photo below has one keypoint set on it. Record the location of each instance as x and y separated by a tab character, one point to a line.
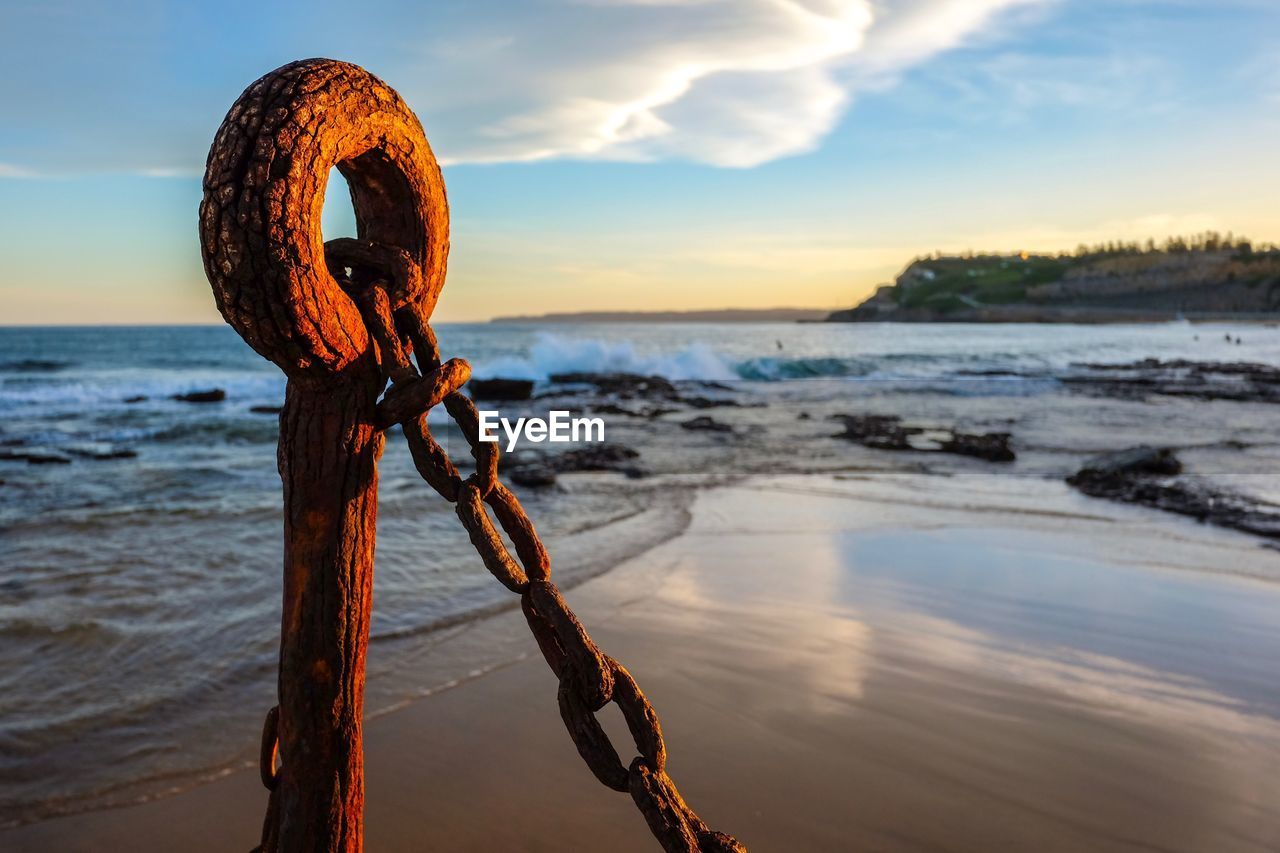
588	678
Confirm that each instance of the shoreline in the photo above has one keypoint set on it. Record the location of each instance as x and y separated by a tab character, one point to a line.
847	667
1067	318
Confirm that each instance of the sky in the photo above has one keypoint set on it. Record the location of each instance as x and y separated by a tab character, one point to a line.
650	154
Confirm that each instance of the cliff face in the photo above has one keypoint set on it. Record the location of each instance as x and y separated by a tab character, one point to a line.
1113	288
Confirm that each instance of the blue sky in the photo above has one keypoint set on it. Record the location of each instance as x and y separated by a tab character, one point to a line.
652	154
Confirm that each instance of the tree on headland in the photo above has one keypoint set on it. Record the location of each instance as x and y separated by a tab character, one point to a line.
1207	241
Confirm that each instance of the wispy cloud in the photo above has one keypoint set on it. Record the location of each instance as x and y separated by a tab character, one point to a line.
727	82
9	170
14	171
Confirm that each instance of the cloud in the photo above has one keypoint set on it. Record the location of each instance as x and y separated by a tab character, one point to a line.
731	83
727	82
8	170
169	172
13	171
909	32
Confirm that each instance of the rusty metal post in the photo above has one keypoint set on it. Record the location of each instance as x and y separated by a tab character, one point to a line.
264	256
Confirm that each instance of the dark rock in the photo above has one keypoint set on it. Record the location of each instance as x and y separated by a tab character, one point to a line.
1240	381
137	398
501	389
613	409
1145	476
213	395
509	461
646	412
803	416
541	469
708	402
706	423
882	432
1135	460
625	386
887	432
266	410
534	475
991	446
603	456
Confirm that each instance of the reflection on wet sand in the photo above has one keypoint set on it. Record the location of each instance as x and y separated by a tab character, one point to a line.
839	667
1014	683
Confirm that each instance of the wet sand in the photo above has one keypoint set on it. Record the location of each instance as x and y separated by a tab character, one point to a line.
904	663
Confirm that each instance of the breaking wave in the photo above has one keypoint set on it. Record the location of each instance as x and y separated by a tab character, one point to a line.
552	353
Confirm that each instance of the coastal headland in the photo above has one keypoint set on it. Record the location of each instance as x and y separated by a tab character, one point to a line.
1209	277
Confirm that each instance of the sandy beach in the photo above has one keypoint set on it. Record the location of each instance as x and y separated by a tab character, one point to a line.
873	400
904	663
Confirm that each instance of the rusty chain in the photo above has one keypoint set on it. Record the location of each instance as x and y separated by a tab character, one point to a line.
588	678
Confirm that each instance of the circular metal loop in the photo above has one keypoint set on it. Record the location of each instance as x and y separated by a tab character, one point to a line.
264	189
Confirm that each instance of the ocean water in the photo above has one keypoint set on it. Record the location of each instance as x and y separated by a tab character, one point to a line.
139	596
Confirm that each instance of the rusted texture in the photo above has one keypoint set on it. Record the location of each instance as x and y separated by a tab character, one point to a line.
270	749
431	460
664	810
711	841
264	256
642	719
589	737
485	538
588	678
545	636
264	189
414	396
343	253
591	669
512	517
341	324
486	453
327	455
417	328
376	305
